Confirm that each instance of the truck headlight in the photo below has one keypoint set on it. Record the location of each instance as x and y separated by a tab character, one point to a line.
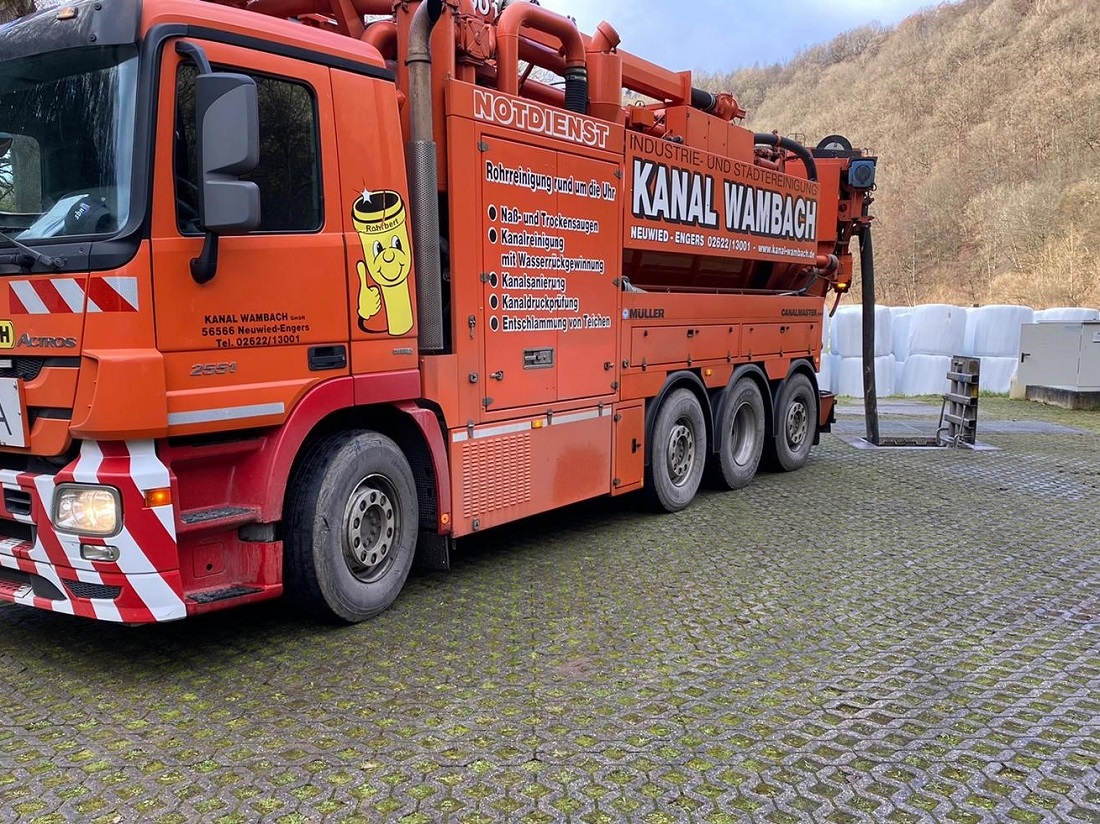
87	510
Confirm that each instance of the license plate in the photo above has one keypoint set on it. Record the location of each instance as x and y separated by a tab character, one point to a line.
13	421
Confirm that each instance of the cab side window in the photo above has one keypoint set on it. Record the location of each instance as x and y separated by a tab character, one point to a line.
289	172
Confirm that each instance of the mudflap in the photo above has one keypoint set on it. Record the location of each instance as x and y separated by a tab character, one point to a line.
433	552
826	413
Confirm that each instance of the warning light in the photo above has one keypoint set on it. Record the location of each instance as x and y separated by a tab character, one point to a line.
158	497
842	287
537	424
445	518
707	373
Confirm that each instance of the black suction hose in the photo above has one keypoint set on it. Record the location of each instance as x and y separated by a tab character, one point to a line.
769	139
867	276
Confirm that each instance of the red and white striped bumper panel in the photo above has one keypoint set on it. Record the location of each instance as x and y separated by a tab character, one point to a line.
145	574
70	296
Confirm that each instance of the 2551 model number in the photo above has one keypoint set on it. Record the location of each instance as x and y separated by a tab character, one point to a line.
200	370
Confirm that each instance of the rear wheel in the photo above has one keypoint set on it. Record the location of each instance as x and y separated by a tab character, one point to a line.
740	434
678	448
796	423
352	519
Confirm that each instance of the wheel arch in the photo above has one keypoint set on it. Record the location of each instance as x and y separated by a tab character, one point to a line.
676	380
418	435
330	407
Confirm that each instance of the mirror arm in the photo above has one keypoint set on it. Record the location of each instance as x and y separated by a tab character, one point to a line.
205	265
195	54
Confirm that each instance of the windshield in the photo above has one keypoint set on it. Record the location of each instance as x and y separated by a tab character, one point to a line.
66	142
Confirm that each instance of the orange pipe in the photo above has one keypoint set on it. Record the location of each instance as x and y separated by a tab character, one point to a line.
605	39
373	6
290	8
605	75
542	56
639	75
542	93
519	15
294	8
382	34
531	89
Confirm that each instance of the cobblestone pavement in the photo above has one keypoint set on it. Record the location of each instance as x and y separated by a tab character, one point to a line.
883	636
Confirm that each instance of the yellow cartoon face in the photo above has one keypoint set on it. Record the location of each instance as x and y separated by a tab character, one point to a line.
388	257
379	220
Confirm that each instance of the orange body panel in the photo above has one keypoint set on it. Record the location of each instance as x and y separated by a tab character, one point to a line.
628	470
503	472
590	262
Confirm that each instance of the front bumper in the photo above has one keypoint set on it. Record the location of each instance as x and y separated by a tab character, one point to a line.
43	568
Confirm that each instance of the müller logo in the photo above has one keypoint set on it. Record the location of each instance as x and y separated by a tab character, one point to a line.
531	117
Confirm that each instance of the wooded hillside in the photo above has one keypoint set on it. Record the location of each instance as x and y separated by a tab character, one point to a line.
985	116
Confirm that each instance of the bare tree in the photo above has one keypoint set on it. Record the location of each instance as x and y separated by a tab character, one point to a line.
13	9
983	115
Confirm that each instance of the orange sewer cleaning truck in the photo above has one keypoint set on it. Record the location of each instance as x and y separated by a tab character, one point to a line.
292	291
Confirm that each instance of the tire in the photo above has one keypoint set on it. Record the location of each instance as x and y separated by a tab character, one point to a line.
740	435
678	449
352	519
796	423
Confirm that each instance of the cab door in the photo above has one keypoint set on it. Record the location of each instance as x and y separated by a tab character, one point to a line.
240	349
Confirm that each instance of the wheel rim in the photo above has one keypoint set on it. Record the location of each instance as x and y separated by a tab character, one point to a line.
681	452
372	522
798	424
742	437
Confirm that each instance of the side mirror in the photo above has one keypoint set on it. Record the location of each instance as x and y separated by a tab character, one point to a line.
229	146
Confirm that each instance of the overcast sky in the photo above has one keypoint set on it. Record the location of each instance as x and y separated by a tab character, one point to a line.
723	35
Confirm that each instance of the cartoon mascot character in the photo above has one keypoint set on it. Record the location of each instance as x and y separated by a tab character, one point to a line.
379	218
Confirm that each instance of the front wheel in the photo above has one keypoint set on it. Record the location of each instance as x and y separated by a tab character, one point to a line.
796	423
352	519
678	448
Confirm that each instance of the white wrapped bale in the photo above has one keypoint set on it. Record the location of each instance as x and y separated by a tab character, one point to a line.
997	373
886	376
924	375
936	329
849	376
902	321
846	332
847	336
825	376
968	339
1067	314
997	330
826	330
